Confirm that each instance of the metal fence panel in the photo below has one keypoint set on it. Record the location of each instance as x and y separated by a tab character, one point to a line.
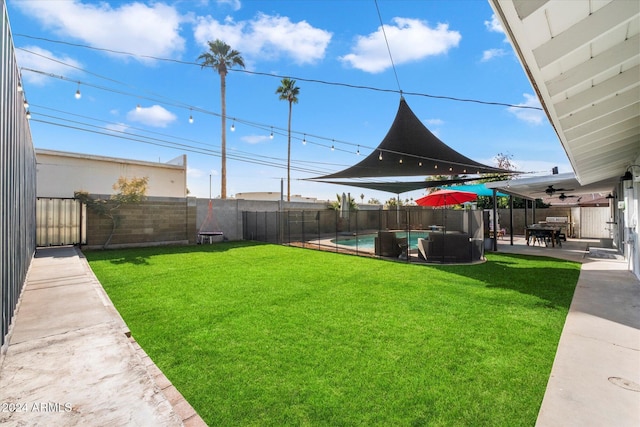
358	232
17	182
60	222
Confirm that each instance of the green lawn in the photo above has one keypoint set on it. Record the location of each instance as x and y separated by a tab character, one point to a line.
258	334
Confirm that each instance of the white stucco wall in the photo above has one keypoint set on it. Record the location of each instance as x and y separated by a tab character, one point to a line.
60	174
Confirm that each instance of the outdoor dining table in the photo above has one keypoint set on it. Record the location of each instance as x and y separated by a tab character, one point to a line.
545	232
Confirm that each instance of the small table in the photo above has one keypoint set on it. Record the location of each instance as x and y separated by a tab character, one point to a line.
209	236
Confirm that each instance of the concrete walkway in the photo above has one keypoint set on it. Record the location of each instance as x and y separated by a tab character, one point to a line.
595	379
71	360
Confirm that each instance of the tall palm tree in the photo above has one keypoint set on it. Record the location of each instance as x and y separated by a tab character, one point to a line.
288	91
221	57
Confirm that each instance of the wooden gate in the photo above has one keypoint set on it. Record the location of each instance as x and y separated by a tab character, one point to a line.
595	223
60	222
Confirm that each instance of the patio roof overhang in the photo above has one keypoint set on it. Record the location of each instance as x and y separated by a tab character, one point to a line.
583	61
536	187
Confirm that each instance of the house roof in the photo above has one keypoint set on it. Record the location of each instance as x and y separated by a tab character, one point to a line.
583	61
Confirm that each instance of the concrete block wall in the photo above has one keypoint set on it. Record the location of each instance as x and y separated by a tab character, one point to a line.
155	221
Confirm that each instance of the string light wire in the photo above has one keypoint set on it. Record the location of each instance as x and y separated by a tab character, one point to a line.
278	76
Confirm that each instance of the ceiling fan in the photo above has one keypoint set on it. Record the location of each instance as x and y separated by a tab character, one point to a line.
562	196
550	190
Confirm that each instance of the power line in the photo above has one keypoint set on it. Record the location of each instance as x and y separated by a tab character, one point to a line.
180	104
163	142
302	79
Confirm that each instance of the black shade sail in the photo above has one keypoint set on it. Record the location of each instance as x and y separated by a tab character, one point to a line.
410	149
399	187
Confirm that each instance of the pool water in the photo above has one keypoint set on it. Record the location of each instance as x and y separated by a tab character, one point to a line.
365	242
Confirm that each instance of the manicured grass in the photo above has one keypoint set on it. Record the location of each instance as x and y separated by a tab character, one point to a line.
257	334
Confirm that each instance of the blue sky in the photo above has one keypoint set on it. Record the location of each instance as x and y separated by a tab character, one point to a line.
452	49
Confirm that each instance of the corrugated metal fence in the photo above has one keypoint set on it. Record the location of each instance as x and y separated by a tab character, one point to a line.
17	183
60	222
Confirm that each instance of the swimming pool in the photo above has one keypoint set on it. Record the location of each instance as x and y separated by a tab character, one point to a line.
365	242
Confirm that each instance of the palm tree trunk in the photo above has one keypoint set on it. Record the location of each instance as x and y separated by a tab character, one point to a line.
289	157
223	150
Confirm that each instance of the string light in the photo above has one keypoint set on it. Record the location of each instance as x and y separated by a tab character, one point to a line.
358	152
26	104
190	116
400	160
304	139
78	94
332	147
20	89
420	164
28	115
139	108
233	126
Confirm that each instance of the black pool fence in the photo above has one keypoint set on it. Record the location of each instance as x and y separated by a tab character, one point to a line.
412	235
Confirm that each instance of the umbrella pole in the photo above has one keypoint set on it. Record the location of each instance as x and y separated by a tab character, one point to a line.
444	225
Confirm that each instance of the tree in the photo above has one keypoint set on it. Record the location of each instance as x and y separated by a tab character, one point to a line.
337	204
393	202
129	191
288	91
221	57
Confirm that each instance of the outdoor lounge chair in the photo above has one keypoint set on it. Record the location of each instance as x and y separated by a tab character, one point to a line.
388	245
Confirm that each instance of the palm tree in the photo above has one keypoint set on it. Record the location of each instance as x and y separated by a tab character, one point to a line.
221	57
288	92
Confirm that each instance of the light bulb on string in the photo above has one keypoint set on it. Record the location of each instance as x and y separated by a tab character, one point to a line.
380	156
400	160
28	115
26	104
233	126
420	164
332	146
271	134
190	116
20	88
358	152
78	95
138	107
304	139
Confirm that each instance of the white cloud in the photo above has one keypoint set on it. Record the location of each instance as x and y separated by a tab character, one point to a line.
529	115
254	139
151	30
494	25
409	40
234	4
117	127
155	116
434	122
489	54
45	61
267	37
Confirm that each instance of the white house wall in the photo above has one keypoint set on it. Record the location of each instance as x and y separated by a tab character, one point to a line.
60	174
